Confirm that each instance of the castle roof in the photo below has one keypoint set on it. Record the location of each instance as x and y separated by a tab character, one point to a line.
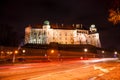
63	26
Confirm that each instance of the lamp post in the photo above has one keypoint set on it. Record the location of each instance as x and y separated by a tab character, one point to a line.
15	52
85	50
52	51
1	54
103	53
23	52
115	54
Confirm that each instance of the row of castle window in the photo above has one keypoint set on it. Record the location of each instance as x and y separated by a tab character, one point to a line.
84	32
38	42
44	33
54	37
41	32
43	38
45	42
61	42
35	35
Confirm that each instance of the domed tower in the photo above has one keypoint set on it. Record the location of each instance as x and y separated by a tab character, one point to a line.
94	36
46	25
93	29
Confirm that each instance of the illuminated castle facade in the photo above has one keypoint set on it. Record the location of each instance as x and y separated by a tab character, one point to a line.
46	35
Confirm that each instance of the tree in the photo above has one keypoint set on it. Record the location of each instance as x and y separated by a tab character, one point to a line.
114	16
114	13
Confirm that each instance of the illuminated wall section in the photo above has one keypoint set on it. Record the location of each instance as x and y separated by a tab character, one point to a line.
38	36
94	37
82	36
27	34
63	36
94	40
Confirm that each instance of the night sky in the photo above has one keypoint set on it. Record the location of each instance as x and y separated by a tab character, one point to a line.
20	13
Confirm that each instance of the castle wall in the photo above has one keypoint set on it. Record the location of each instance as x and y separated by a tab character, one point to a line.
46	35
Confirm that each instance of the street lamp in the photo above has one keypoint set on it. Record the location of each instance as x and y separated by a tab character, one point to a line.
15	52
52	51
115	54
103	53
1	54
85	50
23	51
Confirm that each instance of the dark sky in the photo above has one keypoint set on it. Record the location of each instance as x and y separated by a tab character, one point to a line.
19	13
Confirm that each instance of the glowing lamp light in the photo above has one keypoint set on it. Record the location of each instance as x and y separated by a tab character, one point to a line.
11	52
16	52
85	50
2	52
115	52
103	51
23	51
7	52
52	51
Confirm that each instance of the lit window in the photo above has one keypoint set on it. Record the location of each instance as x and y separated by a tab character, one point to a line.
65	34
65	38
38	33
34	40
35	34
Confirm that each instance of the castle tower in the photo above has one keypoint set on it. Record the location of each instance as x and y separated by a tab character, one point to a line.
93	29
27	34
46	25
94	36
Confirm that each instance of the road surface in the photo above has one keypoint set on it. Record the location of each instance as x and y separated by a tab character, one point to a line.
66	70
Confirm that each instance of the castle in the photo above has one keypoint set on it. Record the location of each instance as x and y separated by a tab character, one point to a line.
46	35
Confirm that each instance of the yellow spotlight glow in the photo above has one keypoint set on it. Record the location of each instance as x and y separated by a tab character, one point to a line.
52	51
23	51
2	52
16	51
85	50
115	52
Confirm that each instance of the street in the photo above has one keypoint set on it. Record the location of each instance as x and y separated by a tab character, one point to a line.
99	69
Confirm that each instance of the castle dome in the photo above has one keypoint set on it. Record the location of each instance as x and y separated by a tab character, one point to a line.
46	22
46	25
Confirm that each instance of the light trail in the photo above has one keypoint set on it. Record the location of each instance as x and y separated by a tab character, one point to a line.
65	71
100	60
